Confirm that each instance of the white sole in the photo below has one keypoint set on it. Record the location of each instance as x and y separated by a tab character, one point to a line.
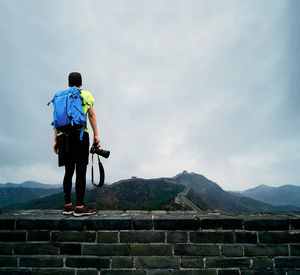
83	214
68	213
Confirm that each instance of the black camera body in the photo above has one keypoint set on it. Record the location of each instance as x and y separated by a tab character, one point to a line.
100	152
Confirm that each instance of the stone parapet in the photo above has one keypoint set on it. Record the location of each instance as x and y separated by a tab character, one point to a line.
141	242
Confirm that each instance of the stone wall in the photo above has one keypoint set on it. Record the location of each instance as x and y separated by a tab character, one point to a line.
142	243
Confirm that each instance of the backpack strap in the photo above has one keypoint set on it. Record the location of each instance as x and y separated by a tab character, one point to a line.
101	172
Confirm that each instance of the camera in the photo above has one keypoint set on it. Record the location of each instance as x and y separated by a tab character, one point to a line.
100	152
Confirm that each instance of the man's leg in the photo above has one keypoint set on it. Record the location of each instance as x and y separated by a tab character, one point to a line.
67	183
80	183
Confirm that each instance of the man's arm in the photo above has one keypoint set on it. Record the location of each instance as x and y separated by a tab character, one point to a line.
55	149
93	121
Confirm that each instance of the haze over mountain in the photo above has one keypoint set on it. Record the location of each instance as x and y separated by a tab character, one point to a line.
283	195
160	193
30	184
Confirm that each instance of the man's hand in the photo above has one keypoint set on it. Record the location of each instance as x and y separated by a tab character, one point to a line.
55	149
97	141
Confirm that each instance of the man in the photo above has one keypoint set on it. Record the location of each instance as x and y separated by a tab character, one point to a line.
73	153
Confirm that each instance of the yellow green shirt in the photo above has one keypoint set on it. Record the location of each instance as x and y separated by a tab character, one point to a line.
88	99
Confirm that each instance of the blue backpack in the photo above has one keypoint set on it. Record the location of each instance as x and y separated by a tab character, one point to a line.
68	113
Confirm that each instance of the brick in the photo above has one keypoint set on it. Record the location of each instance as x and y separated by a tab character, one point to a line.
165	262
37	223
158	272
12	236
232	250
87	272
38	235
193	272
41	261
266	250
176	223
109	223
9	261
142	222
72	223
37	248
287	262
293	272
211	237
219	223
228	272
221	262
273	237
107	237
196	250
262	262
70	249
142	237
295	249
74	236
294	237
295	224
106	249
6	248
124	262
177	237
15	271
7	223
263	272
192	262
245	237
151	250
52	271
266	224
123	272
88	262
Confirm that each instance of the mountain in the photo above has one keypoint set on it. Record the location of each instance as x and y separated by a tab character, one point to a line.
30	184
135	193
206	194
20	194
177	193
283	195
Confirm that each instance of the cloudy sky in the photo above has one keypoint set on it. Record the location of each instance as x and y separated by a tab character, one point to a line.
210	87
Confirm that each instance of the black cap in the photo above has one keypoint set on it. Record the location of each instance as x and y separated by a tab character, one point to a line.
75	79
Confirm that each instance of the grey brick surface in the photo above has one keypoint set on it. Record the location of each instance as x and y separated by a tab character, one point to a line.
6	248
194	272
294	237
177	237
87	272
287	262
164	222
123	272
221	262
266	224
192	262
220	223
232	250
228	272
266	250
41	261
12	236
109	223
70	248
273	237
142	237
295	249
106	249
14	271
36	249
7	223
245	237
262	262
196	250
142	222
163	262
38	235
88	262
158	272
211	237
151	250
122	262
74	236
107	236
8	261
51	271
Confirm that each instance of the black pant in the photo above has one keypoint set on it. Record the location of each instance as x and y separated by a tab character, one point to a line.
80	183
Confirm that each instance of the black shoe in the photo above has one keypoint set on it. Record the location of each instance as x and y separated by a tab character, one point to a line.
84	211
68	210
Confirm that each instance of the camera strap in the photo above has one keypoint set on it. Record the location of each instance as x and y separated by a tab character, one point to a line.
101	172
